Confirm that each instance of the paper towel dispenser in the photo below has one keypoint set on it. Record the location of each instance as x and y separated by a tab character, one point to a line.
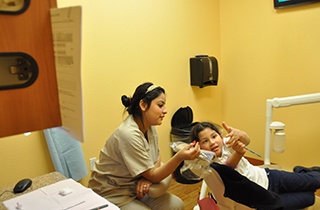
203	71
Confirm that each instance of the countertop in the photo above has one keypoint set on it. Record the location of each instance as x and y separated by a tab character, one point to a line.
37	182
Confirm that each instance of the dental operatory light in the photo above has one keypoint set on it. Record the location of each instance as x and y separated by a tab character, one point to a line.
279	136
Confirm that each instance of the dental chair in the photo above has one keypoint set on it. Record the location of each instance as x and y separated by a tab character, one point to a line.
221	193
217	189
233	191
216	186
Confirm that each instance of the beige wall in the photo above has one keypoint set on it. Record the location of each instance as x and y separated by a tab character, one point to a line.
262	53
126	43
269	53
23	157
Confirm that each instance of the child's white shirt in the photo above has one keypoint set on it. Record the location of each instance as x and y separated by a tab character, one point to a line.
245	168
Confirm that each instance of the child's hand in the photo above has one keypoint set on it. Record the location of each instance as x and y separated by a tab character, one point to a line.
239	147
235	135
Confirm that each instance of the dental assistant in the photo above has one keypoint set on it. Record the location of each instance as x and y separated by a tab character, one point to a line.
129	163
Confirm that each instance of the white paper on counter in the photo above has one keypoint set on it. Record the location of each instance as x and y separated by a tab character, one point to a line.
48	198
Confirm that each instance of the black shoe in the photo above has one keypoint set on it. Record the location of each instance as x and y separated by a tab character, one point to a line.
301	169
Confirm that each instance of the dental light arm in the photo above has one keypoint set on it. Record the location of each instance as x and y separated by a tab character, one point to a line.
278	103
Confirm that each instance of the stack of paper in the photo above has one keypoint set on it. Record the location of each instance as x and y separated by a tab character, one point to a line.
64	195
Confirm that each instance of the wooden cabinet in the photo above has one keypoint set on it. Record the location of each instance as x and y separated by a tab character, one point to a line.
35	107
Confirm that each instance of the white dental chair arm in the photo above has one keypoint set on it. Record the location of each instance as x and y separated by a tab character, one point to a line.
216	186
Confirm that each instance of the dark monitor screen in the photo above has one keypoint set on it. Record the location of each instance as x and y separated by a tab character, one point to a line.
288	3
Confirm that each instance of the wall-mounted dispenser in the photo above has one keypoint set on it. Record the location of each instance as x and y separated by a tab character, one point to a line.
203	71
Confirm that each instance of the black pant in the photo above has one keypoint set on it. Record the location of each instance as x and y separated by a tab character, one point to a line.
242	190
296	190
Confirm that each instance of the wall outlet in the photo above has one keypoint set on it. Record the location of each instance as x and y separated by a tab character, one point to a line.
91	162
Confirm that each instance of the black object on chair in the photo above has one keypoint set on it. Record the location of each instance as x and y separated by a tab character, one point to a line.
181	125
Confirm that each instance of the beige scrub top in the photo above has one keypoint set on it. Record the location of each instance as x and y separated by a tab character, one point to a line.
126	154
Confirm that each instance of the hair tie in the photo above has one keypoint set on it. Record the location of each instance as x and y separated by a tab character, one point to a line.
151	88
126	101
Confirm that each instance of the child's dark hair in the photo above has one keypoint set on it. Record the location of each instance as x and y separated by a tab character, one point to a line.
194	133
146	92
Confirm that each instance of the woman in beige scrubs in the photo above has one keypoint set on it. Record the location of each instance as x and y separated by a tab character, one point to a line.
129	163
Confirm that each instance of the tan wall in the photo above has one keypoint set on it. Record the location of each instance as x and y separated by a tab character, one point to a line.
126	43
269	53
262	53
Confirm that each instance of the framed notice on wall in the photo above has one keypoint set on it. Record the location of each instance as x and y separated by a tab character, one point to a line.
289	3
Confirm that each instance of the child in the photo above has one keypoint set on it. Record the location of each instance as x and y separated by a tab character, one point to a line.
296	190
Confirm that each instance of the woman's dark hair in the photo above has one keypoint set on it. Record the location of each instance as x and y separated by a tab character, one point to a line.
194	133
146	92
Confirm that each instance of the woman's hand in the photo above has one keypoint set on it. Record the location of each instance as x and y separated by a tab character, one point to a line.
189	152
235	135
143	187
